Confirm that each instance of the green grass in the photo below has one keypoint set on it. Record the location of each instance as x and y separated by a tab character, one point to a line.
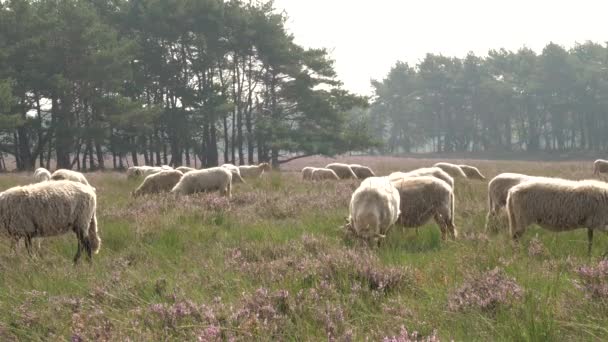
272	264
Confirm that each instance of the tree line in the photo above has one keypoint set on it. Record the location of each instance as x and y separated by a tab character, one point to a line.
86	82
508	101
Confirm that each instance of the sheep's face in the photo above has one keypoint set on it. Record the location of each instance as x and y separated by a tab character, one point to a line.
266	167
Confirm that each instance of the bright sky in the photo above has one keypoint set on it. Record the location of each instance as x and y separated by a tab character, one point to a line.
367	37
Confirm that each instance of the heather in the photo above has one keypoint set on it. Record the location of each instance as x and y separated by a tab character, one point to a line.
272	264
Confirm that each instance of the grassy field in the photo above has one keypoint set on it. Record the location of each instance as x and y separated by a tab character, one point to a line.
272	264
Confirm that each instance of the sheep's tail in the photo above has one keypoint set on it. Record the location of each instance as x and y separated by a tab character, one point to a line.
94	240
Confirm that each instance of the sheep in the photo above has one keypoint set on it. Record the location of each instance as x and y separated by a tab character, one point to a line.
138	171
425	197
253	171
65	174
162	181
374	208
362	172
215	178
425	171
236	173
184	169
323	174
307	172
600	166
472	172
50	209
41	174
558	205
342	170
451	169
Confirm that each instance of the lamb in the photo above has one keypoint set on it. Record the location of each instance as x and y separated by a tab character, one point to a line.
215	178
423	198
307	172
558	205
472	172
362	172
159	182
451	169
138	171
41	174
600	166
342	170
65	174
50	209
236	173
253	171
323	174
425	171
184	169
374	208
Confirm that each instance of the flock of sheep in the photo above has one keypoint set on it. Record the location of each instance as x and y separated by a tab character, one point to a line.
64	202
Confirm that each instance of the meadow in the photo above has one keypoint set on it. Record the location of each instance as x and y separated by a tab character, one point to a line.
273	264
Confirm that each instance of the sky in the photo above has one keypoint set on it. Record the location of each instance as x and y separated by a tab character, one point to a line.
367	37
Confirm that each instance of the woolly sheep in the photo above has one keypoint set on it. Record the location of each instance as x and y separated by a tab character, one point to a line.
472	172
50	209
374	208
139	171
184	169
342	170
236	173
65	174
423	198
41	174
323	174
558	205
162	181
451	169
362	172
252	171
425	171
307	172
215	178
600	166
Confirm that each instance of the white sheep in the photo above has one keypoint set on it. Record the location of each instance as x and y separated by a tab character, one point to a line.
236	173
65	174
319	174
558	205
184	169
374	208
307	172
361	171
451	169
50	209
253	171
472	172
498	189
142	171
423	198
159	182
215	178
425	171
41	174
342	170
600	166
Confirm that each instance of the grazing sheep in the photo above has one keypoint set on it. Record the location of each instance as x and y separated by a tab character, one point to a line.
139	171
362	172
451	169
600	166
307	172
425	171
252	171
558	205
472	172
65	174
162	181
342	170
423	198
184	169
236	173
41	174
374	208
323	174
215	178
51	209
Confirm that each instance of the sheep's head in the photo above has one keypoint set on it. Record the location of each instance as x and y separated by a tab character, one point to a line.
265	166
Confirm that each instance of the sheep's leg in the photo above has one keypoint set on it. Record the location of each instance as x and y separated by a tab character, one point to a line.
442	226
28	244
589	241
78	252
